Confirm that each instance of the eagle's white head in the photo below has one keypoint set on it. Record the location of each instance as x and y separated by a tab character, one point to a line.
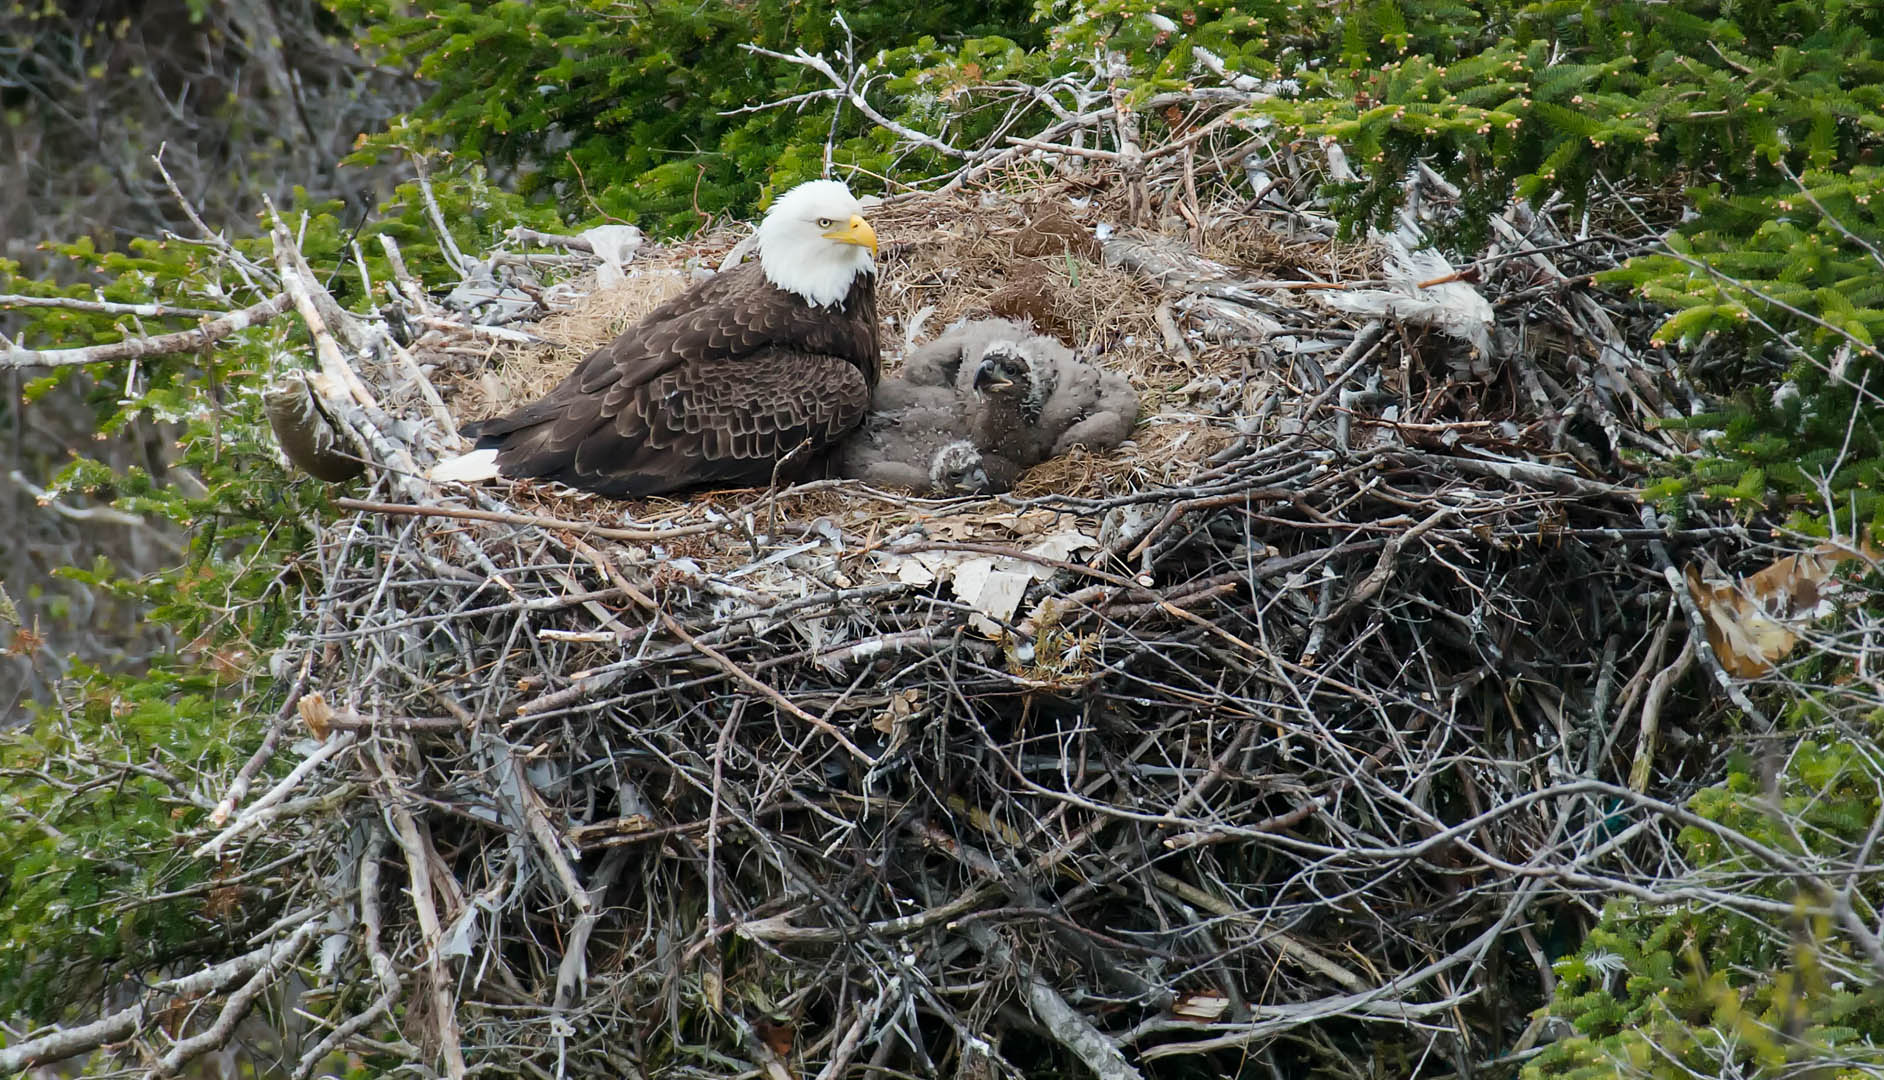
814	241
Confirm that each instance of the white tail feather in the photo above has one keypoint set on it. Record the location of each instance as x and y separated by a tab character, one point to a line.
467	468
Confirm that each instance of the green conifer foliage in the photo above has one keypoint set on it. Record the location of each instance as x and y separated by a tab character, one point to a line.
1670	991
629	110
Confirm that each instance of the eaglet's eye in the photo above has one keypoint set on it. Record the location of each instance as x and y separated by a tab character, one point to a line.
825	223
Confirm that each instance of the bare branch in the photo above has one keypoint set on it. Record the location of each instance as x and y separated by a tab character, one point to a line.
847	88
71	303
159	345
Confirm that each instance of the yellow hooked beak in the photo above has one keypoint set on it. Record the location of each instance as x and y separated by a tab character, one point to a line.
857	232
1000	384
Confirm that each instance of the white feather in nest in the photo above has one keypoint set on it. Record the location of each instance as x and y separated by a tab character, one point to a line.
1454	308
615	245
471	468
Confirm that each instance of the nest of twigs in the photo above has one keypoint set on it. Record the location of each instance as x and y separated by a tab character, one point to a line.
1265	738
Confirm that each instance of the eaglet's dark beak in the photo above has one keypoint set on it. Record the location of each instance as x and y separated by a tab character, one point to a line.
990	379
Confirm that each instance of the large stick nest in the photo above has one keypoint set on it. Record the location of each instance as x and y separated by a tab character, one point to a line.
1283	730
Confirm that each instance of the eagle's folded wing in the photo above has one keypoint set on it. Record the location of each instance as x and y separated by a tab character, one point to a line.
724	422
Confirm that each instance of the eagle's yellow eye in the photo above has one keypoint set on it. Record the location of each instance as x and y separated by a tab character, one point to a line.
825	223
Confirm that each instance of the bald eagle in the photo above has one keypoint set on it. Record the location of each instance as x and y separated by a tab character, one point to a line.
771	361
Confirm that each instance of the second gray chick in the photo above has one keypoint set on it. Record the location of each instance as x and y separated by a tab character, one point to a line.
968	437
919	448
1079	404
